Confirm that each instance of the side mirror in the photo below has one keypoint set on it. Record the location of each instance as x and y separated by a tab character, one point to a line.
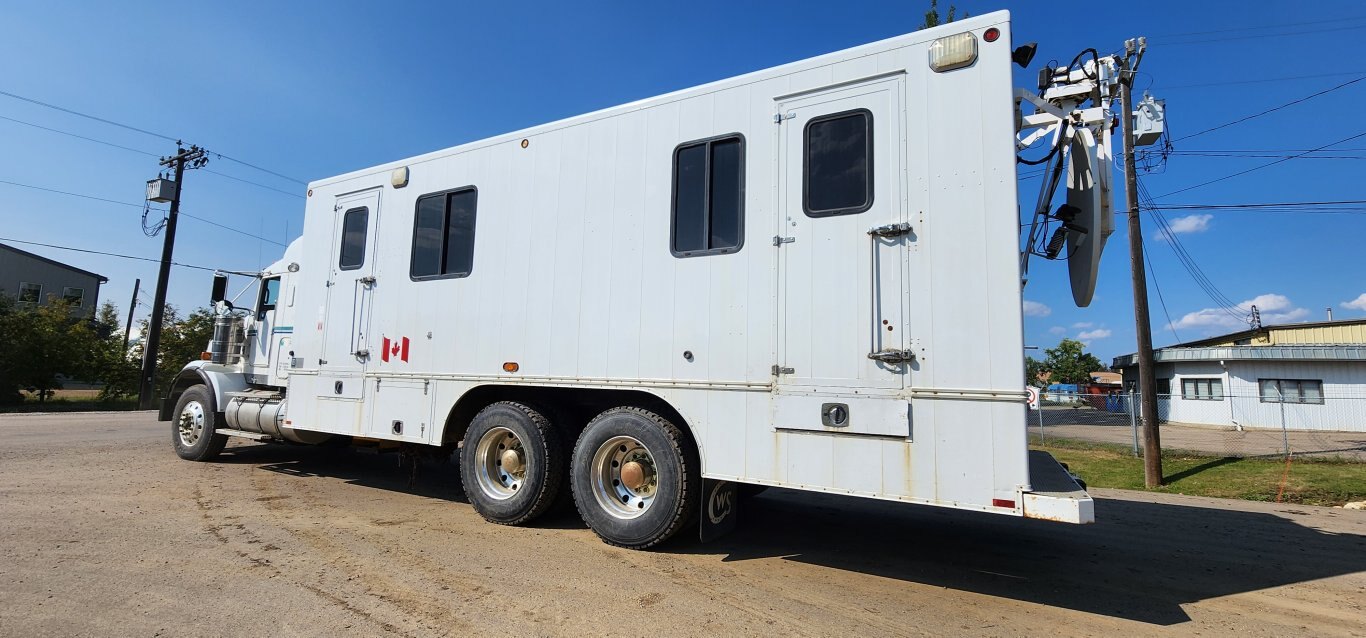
220	288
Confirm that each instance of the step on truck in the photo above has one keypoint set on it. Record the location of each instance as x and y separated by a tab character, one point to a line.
806	277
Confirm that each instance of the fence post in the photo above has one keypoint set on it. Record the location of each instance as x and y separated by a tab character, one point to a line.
1285	435
1133	420
1040	411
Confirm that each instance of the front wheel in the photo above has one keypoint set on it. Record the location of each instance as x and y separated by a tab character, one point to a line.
635	478
194	426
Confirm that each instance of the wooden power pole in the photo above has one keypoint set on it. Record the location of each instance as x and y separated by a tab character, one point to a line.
1147	382
152	340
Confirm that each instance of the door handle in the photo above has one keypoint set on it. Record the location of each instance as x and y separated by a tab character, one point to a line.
892	356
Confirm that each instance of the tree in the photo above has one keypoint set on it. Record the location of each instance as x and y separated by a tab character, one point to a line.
40	346
1070	363
932	16
182	341
112	363
1034	371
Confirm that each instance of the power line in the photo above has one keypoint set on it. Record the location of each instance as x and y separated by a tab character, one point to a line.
247	181
88	116
133	257
1171	325
1273	109
1257	81
263	170
145	132
1221	301
1261	166
1258	36
1267	26
88	139
121	203
142	152
1266	155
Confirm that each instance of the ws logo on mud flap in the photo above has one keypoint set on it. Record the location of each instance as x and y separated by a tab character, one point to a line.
720	505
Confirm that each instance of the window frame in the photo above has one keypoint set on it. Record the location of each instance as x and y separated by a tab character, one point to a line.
1280	392
869	181
341	246
19	297
706	191
412	248
1209	384
66	295
261	306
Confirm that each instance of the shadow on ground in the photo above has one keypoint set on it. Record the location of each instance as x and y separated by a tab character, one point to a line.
1141	561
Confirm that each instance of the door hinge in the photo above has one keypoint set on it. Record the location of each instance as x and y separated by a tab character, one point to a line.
777	370
779	117
779	240
891	230
892	356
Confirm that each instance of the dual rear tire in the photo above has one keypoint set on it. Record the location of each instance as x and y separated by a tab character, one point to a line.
634	477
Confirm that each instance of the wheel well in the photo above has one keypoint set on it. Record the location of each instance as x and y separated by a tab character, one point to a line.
184	381
569	408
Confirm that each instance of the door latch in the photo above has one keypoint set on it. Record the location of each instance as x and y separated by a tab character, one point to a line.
779	240
892	356
367	280
890	230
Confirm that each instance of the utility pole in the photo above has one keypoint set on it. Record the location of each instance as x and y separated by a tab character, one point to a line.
132	305
1147	382
152	340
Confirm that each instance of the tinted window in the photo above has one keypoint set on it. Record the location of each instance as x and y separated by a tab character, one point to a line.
270	295
443	234
354	223
838	177
709	196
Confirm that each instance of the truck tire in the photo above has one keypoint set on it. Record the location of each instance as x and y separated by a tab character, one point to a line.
636	480
512	463
194	426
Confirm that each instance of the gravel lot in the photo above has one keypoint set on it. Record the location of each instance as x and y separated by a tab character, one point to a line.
103	531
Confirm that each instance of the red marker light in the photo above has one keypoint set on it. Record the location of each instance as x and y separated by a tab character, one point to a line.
1001	502
992	34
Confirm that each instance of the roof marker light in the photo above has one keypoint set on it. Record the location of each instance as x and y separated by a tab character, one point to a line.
953	52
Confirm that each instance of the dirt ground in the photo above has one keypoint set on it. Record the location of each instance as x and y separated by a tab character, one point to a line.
103	531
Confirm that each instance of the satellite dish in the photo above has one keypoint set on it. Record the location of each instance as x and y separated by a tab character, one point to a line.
1088	194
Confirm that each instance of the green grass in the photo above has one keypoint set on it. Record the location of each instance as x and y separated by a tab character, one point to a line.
1311	481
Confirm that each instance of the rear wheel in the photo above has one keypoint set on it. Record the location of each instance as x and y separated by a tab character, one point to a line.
512	463
194	426
635	478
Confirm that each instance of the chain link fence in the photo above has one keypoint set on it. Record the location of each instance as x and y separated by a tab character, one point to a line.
1224	426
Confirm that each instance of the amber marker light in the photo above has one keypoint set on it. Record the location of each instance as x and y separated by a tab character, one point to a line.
205	356
511	366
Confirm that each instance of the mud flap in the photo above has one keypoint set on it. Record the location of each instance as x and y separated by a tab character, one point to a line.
720	509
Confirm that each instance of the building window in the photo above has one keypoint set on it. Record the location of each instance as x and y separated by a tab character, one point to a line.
1164	386
837	171
1291	390
354	224
443	234
30	293
709	197
1202	389
74	296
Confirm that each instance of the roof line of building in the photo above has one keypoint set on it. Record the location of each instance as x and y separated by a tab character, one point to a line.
54	262
1344	352
1233	336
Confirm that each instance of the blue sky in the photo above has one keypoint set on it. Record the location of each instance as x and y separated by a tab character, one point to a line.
311	90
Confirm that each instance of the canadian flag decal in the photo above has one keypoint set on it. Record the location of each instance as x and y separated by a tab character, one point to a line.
395	348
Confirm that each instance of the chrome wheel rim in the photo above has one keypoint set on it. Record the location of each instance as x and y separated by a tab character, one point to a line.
625	477
190	425
500	463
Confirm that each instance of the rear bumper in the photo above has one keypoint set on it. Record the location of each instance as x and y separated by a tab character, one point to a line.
1055	496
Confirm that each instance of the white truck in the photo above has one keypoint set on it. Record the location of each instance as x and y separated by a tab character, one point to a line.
805	277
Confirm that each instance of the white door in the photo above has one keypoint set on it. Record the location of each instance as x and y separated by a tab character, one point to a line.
350	286
842	242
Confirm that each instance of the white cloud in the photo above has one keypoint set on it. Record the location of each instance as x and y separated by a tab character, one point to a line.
1036	309
1356	304
1091	335
1187	224
1083	325
1273	308
1057	330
